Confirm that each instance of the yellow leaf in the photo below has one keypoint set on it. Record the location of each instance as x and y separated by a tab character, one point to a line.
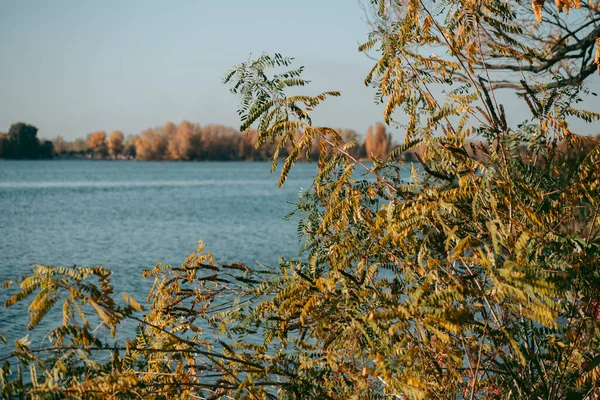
597	58
132	302
537	5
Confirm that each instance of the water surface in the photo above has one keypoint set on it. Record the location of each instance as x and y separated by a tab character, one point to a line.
129	215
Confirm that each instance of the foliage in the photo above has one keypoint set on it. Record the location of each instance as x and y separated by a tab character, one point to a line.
549	45
378	144
115	143
21	142
190	141
97	142
476	277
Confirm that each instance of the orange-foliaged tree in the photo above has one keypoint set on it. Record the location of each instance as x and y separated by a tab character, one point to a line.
97	142
378	142
115	143
180	142
151	145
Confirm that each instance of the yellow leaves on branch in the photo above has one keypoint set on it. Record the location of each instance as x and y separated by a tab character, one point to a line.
427	24
566	5
537	5
597	58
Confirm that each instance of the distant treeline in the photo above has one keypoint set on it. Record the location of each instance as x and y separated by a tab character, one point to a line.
190	141
187	141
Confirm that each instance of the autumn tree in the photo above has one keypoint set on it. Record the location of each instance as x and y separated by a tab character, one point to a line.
97	142
115	143
151	145
550	44
219	142
248	150
170	129
180	141
377	142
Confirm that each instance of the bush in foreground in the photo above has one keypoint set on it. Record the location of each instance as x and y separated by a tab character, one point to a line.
478	277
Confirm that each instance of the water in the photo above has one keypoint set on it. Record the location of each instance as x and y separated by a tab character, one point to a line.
129	215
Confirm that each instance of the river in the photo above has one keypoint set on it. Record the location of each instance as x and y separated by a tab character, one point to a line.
128	215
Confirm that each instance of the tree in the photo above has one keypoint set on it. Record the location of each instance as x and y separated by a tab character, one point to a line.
180	142
59	144
115	143
151	145
467	280
45	149
22	142
129	146
378	144
4	141
219	142
80	146
351	137
97	142
538	42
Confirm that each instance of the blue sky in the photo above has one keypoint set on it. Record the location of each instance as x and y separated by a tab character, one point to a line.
73	67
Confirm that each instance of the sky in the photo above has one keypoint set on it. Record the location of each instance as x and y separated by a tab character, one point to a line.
71	67
74	67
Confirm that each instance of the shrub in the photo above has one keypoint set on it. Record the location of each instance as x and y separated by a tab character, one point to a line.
467	280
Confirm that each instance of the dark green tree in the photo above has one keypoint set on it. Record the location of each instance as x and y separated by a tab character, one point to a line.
24	140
